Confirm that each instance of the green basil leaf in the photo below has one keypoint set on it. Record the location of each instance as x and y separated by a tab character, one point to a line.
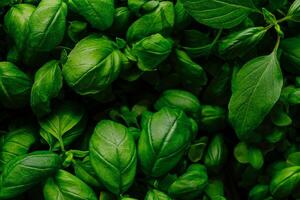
192	74
15	86
161	20
85	171
65	185
16	23
285	181
47	85
241	152
151	51
249	154
294	11
16	143
99	13
219	13
196	43
210	116
294	159
255	157
259	192
181	99
24	172
122	18
98	70
191	184
76	29
216	153
197	149
215	189
269	17
136	5
63	126
291	55
280	117
156	155
47	25
113	156
239	43
154	194
182	18
258	87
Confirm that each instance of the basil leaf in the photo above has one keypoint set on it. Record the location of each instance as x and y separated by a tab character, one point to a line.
219	13
151	51
259	192
99	13
16	143
249	154
47	25
98	70
181	99
216	153
285	181
161	20
122	18
239	43
197	149
290	54
215	189
156	155
85	171
63	126
191	184
182	18
47	85
192	74
65	185
294	11
15	86
16	23
154	194
113	156
24	172
294	159
76	29
258	87
196	43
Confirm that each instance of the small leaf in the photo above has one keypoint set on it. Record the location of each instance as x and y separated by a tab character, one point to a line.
239	43
294	11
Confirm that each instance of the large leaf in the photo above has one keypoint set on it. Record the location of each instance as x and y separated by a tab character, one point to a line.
219	13
99	13
113	156
165	136
258	87
66	186
23	172
47	85
47	25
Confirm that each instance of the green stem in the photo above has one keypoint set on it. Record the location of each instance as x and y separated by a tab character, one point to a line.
283	19
62	146
277	43
217	37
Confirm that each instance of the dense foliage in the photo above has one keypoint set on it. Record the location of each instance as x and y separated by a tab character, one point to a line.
149	99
